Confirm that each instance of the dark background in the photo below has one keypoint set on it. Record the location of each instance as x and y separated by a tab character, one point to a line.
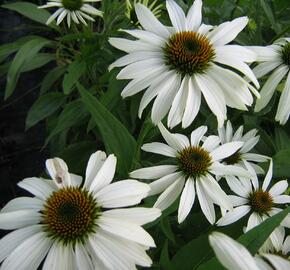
21	152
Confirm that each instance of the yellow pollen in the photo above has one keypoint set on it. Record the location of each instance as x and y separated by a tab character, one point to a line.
261	201
188	53
70	214
194	161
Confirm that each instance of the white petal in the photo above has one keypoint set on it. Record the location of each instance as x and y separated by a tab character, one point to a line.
164	182
238	65
136	215
268	176
146	36
176	15
83	259
213	95
105	174
95	162
211	143
270	86
170	194
37	187
253	221
149	22
126	230
178	104
165	98
170	138
197	135
237	187
278	188
54	15
192	104
214	191
61	16
12	240
194	16
122	193
153	172
205	202
264	68
228	31
29	254
236	51
282	199
283	110
129	46
23	203
267	53
159	148
186	200
137	69
277	261
17	219
234	215
238	201
230	253
225	150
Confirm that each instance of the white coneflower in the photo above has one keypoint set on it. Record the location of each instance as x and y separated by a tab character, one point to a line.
278	257
194	173
276	59
179	64
74	10
69	224
260	201
242	157
231	254
234	256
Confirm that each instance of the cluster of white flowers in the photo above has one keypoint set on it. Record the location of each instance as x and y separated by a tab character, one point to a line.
91	225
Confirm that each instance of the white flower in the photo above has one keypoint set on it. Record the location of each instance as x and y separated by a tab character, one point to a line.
76	10
274	58
234	256
277	256
242	157
257	200
231	254
68	223
196	166
179	64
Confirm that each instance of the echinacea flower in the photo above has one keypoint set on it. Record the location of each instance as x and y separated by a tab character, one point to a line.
194	173
278	257
243	157
70	225
234	256
258	200
74	10
276	59
179	64
231	254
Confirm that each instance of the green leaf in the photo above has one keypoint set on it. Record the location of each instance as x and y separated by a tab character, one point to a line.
50	78
38	61
9	48
269	13
26	53
75	70
253	239
72	114
282	163
166	228
164	258
31	11
43	107
116	137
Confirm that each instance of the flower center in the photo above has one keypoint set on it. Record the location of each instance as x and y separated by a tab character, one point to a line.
188	53
70	215
261	201
233	159
194	161
72	4
286	54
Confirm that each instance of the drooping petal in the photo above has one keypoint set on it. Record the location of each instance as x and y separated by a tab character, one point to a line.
186	200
